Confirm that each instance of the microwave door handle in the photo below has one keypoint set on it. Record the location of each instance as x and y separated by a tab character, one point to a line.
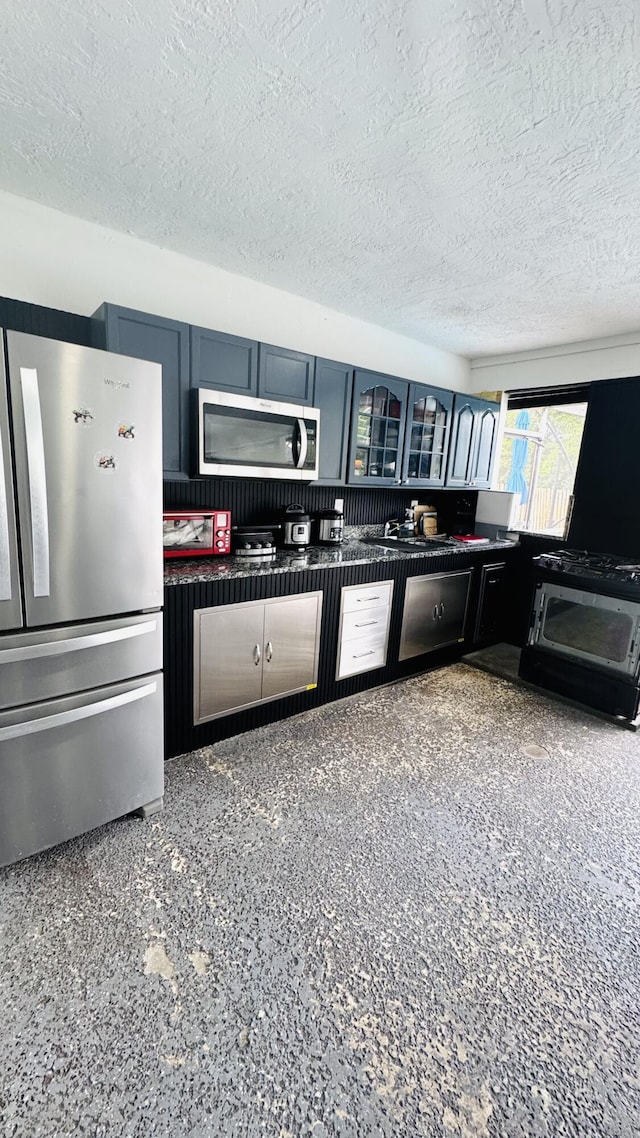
304	443
37	478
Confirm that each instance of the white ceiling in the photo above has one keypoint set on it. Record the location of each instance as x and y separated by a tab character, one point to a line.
465	172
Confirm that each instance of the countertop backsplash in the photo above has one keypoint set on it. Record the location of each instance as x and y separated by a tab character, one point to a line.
253	500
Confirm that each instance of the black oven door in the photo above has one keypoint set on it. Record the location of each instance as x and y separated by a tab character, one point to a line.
595	629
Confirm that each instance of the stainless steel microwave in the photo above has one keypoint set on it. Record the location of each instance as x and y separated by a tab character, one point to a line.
256	438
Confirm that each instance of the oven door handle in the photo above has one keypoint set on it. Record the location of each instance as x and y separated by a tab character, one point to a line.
303	444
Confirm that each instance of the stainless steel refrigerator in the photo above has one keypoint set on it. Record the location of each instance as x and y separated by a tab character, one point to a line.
81	711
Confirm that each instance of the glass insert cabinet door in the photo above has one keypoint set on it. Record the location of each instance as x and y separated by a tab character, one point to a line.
599	630
427	436
377	432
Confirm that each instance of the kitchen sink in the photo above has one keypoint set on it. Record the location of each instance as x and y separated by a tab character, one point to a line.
407	544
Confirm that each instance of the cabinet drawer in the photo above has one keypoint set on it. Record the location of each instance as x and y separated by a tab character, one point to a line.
359	597
363	625
362	655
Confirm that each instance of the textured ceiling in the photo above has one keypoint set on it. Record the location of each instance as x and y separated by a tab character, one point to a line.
466	173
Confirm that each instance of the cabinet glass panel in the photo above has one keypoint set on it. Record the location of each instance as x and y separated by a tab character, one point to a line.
365	404
390	460
377	433
364	430
376	463
427	439
380	400
361	461
395	407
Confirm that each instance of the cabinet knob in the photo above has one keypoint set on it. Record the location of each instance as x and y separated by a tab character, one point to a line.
268	651
257	654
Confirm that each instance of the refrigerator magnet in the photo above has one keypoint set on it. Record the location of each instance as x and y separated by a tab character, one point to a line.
82	416
104	460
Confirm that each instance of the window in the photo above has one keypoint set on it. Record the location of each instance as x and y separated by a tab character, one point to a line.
539	456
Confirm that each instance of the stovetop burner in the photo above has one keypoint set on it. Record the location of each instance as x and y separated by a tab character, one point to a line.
592	566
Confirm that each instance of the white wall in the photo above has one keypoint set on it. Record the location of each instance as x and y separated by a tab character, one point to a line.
613	358
50	258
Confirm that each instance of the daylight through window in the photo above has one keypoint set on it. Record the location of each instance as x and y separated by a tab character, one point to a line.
538	461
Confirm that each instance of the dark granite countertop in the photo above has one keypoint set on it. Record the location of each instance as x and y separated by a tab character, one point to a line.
352	552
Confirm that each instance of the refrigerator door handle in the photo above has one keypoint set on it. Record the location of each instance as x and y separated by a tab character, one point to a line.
37	480
5	564
75	643
47	722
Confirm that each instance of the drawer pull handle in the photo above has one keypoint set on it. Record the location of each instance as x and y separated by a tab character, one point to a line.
268	652
361	599
441	609
358	655
435	612
256	655
366	623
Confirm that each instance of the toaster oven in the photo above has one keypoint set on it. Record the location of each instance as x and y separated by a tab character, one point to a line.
188	533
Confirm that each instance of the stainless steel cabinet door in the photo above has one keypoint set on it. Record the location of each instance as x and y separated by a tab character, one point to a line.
452	610
420	617
88	447
10	602
434	612
75	763
291	633
227	653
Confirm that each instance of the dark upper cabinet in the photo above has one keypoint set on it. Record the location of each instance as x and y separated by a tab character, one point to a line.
426	441
285	375
223	362
332	395
165	342
378	417
474	432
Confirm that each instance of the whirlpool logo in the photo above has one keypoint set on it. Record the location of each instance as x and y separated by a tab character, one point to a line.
118	384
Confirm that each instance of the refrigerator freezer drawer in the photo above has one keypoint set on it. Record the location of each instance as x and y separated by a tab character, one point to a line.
60	661
69	765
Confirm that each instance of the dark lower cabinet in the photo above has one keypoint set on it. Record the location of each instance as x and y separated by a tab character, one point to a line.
494	604
285	375
332	396
166	342
223	362
380	622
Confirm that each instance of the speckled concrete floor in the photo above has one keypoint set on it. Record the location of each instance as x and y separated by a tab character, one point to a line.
410	913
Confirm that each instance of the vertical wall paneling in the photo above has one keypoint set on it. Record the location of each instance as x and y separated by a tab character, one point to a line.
50	322
253	500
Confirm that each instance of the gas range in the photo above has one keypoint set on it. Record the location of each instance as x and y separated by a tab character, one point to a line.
597	568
